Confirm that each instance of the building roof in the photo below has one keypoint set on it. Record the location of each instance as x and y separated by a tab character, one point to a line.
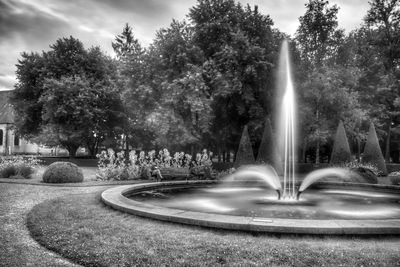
6	110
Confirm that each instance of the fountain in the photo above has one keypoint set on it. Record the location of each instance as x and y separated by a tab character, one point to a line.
288	128
239	203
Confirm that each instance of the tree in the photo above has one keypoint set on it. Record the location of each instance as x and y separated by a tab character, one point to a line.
331	82
126	44
239	48
317	34
341	150
383	23
78	114
62	96
184	96
137	93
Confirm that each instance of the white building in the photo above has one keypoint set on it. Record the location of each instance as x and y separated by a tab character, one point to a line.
9	142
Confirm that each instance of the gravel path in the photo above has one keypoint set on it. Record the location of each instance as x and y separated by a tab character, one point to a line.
17	248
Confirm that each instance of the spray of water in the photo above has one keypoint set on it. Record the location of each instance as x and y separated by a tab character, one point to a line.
316	175
287	119
265	173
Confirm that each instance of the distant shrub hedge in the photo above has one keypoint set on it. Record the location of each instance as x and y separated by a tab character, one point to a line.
63	172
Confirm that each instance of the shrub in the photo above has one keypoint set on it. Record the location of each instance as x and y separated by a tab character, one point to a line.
8	171
244	153
372	151
341	149
268	150
395	178
18	167
63	172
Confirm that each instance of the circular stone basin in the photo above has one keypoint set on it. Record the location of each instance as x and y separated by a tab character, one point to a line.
333	208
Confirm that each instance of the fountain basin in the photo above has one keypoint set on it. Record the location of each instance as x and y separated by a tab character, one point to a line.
117	199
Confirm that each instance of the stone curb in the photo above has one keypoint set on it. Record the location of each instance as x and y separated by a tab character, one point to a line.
116	198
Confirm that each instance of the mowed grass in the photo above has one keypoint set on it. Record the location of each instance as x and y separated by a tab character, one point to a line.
82	229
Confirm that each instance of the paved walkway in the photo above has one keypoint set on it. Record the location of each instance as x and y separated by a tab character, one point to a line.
17	248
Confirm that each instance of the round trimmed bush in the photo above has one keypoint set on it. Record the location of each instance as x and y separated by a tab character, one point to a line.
63	172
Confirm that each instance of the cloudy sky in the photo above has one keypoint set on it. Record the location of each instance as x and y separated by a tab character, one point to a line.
33	25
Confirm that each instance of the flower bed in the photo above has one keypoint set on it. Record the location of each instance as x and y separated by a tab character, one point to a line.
142	165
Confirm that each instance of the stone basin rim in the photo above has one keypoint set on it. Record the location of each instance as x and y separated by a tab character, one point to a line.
116	198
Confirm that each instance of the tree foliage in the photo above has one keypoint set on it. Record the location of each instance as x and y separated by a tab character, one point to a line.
67	96
203	79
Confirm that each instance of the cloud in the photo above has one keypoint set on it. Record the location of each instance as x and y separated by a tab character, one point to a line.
7	82
27	20
31	25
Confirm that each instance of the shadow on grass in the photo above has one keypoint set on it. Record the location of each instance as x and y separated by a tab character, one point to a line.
82	229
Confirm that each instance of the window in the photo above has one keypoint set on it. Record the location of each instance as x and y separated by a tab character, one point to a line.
1	137
16	140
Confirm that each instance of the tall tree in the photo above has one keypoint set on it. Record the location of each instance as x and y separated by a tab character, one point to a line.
137	94
317	34
383	23
239	49
78	113
329	87
56	77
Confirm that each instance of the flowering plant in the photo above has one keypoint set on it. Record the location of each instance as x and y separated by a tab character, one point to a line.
112	166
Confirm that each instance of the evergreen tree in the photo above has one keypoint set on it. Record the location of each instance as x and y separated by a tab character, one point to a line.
373	152
341	149
244	153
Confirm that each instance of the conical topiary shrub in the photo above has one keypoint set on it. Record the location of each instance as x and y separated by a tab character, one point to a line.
372	151
244	153
341	149
268	150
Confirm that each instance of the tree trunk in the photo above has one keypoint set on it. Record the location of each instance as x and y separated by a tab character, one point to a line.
318	141
304	156
126	148
72	150
387	149
317	153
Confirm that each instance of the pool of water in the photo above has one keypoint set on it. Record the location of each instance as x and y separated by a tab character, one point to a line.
261	202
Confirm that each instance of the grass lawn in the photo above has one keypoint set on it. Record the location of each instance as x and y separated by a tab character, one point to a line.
81	228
